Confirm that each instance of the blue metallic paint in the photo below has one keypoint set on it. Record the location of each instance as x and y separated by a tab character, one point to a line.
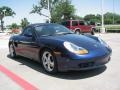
98	53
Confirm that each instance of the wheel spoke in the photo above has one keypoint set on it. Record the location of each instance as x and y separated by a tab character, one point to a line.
49	67
49	56
45	62
52	64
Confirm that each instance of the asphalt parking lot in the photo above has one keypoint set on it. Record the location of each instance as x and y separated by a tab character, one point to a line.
30	72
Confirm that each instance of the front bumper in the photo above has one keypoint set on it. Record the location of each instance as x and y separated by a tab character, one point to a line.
66	64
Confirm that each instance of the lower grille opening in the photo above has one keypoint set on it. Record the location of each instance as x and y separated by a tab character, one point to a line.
88	64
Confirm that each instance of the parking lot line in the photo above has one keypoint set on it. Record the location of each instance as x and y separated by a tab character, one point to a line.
24	84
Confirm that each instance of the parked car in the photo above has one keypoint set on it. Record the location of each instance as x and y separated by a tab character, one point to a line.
79	26
59	49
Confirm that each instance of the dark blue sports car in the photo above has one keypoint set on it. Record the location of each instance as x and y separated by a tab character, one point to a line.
58	49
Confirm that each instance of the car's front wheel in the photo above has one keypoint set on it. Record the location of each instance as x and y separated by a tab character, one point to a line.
49	62
12	51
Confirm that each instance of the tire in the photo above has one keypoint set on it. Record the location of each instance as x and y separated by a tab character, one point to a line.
77	32
93	32
49	62
12	51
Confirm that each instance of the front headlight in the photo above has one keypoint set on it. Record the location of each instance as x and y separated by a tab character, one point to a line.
103	42
74	48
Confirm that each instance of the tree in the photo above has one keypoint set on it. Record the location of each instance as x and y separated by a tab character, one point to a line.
24	23
13	26
58	9
89	17
93	18
109	18
108	21
118	21
63	11
5	11
76	17
43	4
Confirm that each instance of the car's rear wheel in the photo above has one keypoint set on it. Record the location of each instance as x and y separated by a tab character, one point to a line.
12	51
49	62
93	32
77	32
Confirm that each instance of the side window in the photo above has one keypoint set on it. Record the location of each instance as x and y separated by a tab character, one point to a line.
39	30
74	23
44	30
81	23
27	31
66	23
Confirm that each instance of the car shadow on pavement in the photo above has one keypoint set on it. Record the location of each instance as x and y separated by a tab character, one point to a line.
70	75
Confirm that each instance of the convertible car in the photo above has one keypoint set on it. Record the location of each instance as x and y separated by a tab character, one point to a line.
59	49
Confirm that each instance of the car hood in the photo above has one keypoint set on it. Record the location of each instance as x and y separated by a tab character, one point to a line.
79	40
94	47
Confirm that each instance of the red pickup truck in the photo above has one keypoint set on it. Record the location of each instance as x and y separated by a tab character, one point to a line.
79	26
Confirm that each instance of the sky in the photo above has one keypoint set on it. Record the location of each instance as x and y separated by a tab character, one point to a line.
22	9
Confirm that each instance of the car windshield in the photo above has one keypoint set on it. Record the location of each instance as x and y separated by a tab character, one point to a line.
50	30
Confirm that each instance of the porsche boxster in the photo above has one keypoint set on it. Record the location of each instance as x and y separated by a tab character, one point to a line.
59	49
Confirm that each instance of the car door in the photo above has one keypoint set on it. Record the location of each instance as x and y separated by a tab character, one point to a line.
88	27
82	26
19	43
74	25
27	42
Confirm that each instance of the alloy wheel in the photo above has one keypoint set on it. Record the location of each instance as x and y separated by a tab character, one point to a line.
48	61
12	51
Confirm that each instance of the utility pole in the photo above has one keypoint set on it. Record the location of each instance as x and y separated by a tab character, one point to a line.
102	9
48	9
49	16
2	22
113	12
